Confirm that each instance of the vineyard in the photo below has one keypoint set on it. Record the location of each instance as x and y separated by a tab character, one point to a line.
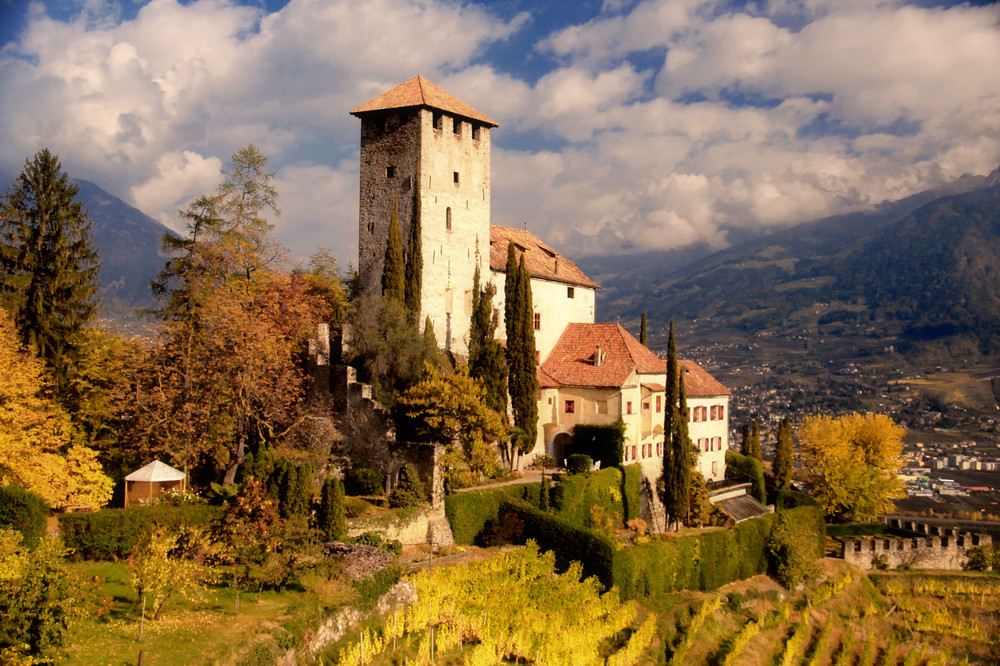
514	608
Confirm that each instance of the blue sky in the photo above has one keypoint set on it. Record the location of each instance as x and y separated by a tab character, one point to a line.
624	124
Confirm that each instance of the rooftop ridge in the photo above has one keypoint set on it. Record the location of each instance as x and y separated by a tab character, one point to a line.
419	92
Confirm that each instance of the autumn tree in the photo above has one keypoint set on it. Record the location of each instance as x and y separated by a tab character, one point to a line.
850	463
159	569
48	264
781	467
450	408
39	448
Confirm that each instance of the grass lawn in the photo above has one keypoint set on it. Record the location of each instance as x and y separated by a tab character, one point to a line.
201	630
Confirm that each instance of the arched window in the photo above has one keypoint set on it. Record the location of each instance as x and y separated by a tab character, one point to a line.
447	218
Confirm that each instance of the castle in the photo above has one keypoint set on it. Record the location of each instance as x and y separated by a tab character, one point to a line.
427	153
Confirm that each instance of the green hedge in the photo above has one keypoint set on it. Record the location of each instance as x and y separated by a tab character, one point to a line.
738	465
703	561
111	534
577	493
790	499
603	442
23	511
468	512
569	542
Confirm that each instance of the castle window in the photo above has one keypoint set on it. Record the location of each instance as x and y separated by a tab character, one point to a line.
438	120
390	172
538	321
380	123
455	177
715	467
570	407
570	292
496	317
475	132
628	407
659	404
456	127
447	218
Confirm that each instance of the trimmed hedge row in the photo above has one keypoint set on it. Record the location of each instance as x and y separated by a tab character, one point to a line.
23	511
607	488
569	542
738	465
468	512
630	491
790	499
111	534
700	562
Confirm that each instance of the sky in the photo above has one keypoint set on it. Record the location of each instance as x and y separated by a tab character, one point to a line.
625	125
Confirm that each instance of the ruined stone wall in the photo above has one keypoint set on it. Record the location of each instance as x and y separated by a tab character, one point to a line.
932	552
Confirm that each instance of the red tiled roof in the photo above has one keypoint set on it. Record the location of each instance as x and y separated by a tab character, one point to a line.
700	384
541	260
571	361
418	91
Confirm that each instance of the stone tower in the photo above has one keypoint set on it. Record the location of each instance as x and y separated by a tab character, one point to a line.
417	141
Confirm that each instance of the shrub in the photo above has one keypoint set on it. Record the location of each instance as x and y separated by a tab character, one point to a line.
578	463
111	534
376	540
542	461
605	442
23	511
576	495
468	513
981	558
793	553
410	489
791	499
738	465
355	507
361	480
631	478
330	515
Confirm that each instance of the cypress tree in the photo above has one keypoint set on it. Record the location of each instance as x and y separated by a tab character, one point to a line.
510	312
486	355
392	268
782	464
414	260
684	459
642	329
543	493
49	265
526	403
330	517
750	446
675	457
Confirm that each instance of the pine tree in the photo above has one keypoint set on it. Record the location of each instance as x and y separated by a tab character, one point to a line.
782	464
414	260
642	329
392	268
49	265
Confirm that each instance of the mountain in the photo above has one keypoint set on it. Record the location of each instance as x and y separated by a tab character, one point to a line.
128	241
923	268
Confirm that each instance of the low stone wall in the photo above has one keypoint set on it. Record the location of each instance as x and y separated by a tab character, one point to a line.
933	552
424	526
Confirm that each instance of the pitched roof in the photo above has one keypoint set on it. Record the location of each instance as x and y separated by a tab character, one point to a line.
541	260
700	384
418	91
571	361
156	471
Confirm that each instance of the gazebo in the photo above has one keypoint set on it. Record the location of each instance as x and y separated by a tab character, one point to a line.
142	485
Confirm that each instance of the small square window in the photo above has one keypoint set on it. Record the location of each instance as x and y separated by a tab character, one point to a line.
645	406
390	172
455	177
570	407
570	292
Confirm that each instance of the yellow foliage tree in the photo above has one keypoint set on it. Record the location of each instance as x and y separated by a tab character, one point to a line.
851	463
37	447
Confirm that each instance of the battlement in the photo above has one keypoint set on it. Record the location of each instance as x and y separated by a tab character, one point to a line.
930	552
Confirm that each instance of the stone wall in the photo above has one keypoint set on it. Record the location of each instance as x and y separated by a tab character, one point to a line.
424	526
932	552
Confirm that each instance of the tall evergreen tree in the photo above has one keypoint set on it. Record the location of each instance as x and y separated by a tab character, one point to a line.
330	516
49	265
486	355
526	403
684	457
675	453
642	329
510	311
392	268
414	260
750	446
782	464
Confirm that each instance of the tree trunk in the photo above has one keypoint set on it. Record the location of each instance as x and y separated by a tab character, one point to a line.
235	462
